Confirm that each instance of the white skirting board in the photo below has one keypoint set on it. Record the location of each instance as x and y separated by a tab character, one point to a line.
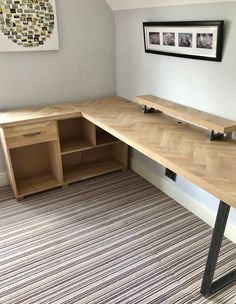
3	179
182	198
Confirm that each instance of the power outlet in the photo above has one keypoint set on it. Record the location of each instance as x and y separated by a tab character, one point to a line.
171	175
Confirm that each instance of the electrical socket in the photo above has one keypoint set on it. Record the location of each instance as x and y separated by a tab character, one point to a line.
171	175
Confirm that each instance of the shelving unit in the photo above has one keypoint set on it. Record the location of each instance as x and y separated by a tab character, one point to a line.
49	154
89	151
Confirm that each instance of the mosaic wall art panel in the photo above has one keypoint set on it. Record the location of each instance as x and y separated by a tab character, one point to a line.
28	25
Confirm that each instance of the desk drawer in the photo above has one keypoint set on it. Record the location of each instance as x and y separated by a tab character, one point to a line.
30	134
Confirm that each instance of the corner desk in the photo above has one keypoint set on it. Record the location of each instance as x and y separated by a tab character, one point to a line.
57	145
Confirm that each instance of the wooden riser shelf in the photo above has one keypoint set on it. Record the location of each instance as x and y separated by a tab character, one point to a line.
92	169
193	116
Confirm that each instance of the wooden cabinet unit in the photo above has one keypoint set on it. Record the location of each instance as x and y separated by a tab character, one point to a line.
44	155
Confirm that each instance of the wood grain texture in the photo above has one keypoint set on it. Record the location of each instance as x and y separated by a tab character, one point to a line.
182	148
76	134
96	168
55	162
191	115
24	135
97	161
36	184
38	114
36	168
89	131
8	162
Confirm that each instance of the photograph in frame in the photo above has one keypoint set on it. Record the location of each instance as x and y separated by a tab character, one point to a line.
189	39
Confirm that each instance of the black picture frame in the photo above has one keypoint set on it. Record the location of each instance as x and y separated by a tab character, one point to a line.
201	40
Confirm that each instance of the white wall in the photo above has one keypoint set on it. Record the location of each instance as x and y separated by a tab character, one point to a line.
133	4
83	68
209	86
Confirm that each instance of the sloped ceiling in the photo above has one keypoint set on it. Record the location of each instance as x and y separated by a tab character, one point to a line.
132	4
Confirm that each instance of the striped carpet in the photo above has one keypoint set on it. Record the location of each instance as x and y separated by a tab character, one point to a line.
113	239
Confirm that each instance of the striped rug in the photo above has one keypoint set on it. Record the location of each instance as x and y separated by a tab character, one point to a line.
109	240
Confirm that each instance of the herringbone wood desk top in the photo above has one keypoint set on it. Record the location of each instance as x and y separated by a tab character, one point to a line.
181	147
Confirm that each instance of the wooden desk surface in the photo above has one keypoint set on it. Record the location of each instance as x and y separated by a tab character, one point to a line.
182	148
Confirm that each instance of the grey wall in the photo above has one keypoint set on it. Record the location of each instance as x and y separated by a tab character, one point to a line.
84	67
205	85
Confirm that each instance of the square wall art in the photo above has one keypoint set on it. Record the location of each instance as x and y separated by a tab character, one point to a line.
28	25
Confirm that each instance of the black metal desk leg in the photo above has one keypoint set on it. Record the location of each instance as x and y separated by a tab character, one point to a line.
208	287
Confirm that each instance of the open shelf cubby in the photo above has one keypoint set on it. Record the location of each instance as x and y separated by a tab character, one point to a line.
104	138
97	161
76	134
35	168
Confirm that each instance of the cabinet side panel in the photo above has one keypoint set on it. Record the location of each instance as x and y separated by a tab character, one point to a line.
89	131
120	153
55	162
8	162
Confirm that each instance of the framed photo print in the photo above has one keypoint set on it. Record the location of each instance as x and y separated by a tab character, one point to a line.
189	39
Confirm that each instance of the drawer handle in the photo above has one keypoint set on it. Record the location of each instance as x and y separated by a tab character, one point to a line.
32	134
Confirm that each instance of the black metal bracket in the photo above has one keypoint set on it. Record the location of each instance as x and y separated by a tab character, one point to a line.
146	109
208	286
213	135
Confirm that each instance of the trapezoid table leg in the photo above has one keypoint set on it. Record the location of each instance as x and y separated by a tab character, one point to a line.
208	286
